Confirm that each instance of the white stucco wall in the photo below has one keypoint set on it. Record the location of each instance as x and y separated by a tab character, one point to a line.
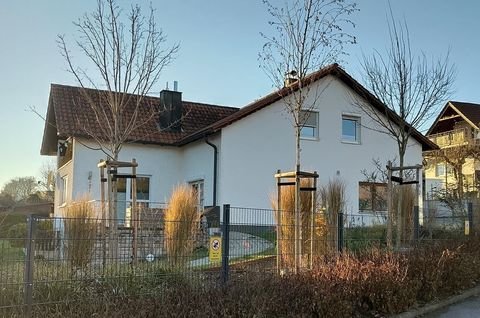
250	152
255	147
166	167
197	164
64	171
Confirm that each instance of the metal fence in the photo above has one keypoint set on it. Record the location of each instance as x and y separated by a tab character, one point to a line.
48	261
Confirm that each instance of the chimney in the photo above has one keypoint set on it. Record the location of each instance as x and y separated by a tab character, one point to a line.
290	78
171	109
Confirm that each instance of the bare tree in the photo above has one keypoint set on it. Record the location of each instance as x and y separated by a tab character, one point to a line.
307	35
20	188
128	58
46	181
410	85
454	158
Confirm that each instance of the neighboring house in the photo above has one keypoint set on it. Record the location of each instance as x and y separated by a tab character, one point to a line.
456	131
250	143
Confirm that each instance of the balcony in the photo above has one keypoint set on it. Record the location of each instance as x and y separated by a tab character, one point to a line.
456	137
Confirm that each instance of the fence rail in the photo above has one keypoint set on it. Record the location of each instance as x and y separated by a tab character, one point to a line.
46	261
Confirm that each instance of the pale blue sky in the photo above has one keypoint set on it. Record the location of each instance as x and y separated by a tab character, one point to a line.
218	56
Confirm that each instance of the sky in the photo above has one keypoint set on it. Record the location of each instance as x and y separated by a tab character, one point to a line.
218	59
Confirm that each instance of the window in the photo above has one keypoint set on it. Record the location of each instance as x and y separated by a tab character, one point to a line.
372	196
309	124
197	187
124	186
440	169
64	190
351	129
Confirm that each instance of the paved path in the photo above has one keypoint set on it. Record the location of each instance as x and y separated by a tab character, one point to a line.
469	308
241	245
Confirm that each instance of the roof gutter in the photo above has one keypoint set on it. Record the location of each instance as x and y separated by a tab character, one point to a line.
215	169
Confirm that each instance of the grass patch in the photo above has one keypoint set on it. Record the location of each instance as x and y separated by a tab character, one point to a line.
9	253
266	232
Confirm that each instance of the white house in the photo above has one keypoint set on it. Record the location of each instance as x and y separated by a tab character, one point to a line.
229	154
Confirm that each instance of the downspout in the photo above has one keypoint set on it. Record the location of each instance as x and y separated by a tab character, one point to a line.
215	169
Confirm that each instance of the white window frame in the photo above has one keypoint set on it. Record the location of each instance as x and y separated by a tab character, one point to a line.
443	169
64	190
357	120
199	184
128	188
309	125
128	198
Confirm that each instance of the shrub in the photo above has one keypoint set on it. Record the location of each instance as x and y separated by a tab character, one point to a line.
333	200
287	225
181	225
80	233
376	283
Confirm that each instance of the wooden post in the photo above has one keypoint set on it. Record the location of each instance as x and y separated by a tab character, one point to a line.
134	212
312	220
104	217
298	224
390	205
279	224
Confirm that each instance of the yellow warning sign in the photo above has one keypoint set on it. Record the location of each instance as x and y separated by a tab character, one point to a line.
215	249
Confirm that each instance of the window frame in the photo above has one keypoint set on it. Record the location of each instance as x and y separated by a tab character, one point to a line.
440	172
315	128
128	188
64	190
199	184
357	120
127	202
374	204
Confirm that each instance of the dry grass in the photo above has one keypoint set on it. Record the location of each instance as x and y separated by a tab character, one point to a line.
333	200
408	198
80	232
287	225
181	225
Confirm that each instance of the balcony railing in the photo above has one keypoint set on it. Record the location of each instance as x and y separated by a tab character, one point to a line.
456	137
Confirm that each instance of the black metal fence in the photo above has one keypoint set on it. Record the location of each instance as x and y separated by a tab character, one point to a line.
48	261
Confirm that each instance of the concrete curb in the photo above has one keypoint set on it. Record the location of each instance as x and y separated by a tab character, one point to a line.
440	304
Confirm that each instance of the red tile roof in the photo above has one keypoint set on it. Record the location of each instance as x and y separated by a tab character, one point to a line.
69	115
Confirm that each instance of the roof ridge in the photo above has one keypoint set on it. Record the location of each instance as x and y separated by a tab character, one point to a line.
208	104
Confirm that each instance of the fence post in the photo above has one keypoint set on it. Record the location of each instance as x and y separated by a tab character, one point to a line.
29	263
225	242
340	228
470	218
416	223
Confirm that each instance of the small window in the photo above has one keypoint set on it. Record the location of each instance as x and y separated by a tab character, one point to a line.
197	187
64	190
372	196
143	188
440	169
308	124
351	129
